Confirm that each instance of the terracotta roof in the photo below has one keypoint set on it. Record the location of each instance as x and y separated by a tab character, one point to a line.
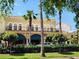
15	19
21	19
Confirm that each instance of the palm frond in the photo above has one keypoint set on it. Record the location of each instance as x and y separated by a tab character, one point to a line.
25	17
24	0
34	17
30	14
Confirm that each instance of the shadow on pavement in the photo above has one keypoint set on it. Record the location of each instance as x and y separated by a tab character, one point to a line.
23	58
67	53
17	54
19	58
11	58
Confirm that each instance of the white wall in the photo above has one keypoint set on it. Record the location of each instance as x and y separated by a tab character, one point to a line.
65	27
2	25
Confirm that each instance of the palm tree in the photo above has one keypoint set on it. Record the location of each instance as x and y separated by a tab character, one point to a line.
51	6
48	8
42	36
30	15
60	4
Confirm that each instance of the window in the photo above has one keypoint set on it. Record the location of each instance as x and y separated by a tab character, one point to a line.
51	29
27	28
47	29
44	28
57	30
15	26
10	27
32	28
20	27
36	28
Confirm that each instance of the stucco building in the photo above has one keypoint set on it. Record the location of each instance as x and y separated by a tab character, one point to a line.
21	26
19	23
65	27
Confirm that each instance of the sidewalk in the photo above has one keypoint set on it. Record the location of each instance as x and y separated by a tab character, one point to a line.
57	58
66	58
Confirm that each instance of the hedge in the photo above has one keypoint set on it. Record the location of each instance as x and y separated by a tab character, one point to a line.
36	49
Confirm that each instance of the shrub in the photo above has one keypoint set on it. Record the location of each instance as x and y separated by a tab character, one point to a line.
36	49
18	48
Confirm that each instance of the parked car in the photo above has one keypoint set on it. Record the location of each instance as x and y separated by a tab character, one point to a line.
46	44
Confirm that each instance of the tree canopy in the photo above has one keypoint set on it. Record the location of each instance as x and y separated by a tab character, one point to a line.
6	7
9	36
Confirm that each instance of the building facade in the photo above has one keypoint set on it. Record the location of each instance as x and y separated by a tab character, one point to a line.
21	26
65	27
19	23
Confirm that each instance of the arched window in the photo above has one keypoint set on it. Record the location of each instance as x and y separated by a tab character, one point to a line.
15	26
20	27
10	27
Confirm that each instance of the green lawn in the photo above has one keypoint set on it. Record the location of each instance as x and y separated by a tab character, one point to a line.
37	55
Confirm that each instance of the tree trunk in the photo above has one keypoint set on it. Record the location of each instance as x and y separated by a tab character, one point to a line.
30	22
6	44
10	47
60	28
42	37
27	42
78	35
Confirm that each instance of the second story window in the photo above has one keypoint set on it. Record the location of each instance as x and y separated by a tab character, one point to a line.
57	30
15	26
51	29
10	27
32	28
44	29
36	28
27	28
48	29
20	27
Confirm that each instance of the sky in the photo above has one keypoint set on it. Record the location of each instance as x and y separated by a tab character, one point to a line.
20	9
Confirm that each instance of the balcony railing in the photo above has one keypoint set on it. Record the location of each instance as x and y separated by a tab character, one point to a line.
34	30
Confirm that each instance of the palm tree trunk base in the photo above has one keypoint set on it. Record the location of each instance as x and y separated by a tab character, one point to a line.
42	54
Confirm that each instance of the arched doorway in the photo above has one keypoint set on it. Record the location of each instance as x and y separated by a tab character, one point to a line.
21	39
35	39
